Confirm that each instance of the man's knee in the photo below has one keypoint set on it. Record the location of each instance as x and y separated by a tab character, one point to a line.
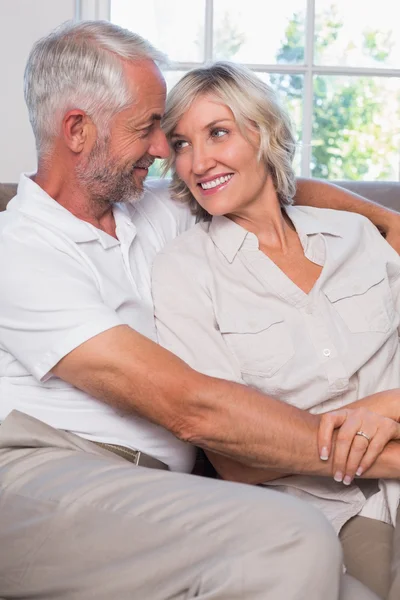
294	526
320	543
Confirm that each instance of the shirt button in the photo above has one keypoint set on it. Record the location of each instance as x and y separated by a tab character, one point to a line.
309	309
326	352
341	384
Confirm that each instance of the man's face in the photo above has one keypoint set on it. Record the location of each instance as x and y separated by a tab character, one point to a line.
117	165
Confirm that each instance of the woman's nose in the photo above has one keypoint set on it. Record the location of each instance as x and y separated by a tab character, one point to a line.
202	160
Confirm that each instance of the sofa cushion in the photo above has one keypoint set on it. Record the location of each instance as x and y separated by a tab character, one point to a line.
7	191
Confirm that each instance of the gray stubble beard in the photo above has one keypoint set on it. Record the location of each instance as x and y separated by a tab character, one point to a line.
104	180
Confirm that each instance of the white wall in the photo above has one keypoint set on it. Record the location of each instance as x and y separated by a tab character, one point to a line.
22	22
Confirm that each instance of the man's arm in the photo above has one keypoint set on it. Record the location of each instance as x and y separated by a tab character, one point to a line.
314	192
127	370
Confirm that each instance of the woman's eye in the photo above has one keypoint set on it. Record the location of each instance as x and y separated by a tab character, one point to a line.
217	133
179	145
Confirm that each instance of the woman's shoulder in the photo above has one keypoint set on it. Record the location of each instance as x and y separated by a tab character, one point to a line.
187	247
340	221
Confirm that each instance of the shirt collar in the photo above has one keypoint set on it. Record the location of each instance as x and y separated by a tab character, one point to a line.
33	201
229	237
310	221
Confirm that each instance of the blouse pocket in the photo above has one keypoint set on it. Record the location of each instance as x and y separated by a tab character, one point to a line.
364	301
261	341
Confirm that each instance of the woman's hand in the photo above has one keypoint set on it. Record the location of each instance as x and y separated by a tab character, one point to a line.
361	438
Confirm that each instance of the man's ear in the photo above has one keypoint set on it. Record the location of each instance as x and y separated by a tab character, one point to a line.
78	130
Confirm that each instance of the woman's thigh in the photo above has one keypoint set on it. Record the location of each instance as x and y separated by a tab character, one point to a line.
367	547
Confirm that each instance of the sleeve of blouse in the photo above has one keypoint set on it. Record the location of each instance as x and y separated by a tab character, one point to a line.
185	319
379	248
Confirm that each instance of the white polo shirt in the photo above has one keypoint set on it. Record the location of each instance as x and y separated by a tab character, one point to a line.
64	281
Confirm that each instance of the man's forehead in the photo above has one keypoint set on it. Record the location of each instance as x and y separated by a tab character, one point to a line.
144	73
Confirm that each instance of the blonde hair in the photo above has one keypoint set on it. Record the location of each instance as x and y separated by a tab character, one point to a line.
254	104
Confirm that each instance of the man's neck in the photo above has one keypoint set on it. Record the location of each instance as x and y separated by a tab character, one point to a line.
66	191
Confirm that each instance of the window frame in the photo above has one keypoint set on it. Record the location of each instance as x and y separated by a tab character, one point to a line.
101	9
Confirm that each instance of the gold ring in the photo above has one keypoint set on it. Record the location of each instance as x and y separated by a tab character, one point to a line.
365	435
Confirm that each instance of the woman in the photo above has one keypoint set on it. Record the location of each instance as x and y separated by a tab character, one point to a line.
301	303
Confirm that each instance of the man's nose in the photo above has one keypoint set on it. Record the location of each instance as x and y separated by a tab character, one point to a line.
159	147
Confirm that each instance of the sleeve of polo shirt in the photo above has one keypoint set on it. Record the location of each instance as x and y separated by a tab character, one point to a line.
185	320
50	303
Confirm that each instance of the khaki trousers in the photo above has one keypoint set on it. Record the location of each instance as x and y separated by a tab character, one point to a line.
371	555
367	549
79	523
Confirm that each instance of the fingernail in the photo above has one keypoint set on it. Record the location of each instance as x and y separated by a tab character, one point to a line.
338	476
324	453
359	471
347	480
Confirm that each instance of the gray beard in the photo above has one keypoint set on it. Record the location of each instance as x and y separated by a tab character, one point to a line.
104	180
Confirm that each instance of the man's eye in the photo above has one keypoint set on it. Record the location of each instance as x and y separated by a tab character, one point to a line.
217	133
146	131
179	145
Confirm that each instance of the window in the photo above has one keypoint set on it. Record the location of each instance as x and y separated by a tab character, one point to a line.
335	64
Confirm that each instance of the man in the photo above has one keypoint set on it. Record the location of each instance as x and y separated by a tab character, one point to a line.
78	359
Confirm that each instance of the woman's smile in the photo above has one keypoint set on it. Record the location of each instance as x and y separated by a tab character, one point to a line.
213	185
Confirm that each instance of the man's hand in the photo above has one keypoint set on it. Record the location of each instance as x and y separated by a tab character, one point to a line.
361	438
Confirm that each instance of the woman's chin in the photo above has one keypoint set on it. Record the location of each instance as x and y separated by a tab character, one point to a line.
215	209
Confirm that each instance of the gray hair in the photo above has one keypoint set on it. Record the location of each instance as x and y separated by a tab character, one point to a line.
79	65
254	105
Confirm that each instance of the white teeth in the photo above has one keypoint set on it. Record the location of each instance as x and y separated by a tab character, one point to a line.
212	184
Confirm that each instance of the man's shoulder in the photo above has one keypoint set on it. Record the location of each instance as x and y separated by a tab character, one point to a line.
157	197
26	241
157	188
169	217
15	226
188	248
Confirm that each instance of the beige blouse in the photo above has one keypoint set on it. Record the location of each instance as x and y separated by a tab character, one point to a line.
227	310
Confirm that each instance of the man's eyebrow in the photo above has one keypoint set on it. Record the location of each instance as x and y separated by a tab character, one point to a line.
208	126
148	122
154	117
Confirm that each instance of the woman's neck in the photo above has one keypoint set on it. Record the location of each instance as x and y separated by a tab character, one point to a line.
267	220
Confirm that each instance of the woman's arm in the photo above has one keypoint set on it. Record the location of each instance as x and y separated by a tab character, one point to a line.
385	403
232	470
315	192
330	442
355	436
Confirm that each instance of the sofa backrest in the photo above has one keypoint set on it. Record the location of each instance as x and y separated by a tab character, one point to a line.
7	191
386	193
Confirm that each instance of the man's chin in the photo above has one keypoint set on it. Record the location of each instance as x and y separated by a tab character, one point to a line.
133	197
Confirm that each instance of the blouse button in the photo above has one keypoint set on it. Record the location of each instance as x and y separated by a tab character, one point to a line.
326	352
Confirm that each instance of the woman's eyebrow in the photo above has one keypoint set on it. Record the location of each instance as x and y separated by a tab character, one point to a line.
207	126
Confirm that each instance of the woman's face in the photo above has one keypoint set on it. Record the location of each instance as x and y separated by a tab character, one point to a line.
216	162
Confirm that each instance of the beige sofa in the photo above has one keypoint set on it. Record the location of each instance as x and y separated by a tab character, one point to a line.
386	193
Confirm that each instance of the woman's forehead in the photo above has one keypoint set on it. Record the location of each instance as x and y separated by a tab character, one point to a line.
204	106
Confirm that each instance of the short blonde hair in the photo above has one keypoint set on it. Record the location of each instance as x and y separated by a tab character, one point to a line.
254	104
